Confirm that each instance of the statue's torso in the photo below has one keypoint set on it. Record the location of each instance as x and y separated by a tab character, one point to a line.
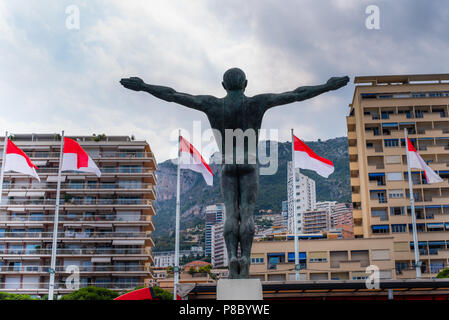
236	112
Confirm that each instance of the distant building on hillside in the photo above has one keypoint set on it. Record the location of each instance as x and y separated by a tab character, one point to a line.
213	214
219	254
300	200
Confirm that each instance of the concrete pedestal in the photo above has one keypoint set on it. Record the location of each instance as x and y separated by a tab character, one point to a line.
239	289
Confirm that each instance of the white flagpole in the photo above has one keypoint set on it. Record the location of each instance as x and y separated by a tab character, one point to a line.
51	285
295	218
178	209
3	166
412	205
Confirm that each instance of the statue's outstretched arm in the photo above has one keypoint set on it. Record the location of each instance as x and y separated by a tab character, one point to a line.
270	100
199	102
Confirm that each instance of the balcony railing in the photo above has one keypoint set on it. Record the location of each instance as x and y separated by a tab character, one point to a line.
98	155
78	202
95	218
75	235
61	285
102	169
79	251
77	185
62	269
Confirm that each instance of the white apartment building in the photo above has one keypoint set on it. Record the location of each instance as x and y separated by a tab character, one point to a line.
300	200
219	253
213	214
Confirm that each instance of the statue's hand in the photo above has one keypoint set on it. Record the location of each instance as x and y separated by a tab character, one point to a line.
133	83
335	83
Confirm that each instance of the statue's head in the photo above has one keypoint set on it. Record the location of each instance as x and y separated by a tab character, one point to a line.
234	79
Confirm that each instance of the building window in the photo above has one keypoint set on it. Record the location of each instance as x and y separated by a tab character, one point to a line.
396	194
398	228
380	229
391	142
397	211
394	176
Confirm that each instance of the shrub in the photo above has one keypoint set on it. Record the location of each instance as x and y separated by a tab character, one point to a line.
13	296
91	293
443	273
162	293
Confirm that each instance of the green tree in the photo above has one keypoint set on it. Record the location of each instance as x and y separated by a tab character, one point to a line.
13	296
443	273
162	293
91	293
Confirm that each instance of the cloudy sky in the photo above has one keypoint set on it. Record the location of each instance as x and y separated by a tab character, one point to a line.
54	78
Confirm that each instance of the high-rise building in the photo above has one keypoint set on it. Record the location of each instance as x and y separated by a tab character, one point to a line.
105	223
300	200
219	253
285	213
382	107
213	214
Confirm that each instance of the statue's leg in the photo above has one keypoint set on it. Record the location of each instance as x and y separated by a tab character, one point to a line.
249	185
229	187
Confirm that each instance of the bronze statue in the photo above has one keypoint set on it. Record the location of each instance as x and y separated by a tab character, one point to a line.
239	181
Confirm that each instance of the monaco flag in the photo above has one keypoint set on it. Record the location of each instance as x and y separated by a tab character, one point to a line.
16	160
305	158
191	159
75	158
417	162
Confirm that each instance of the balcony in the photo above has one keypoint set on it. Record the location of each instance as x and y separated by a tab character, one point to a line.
84	251
29	219
66	235
115	155
82	269
356	197
353	166
357	214
79	202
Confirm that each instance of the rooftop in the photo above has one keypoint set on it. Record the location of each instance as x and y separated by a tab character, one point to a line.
403	79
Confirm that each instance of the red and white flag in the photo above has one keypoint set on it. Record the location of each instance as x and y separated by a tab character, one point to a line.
305	158
75	158
191	159
418	163
16	160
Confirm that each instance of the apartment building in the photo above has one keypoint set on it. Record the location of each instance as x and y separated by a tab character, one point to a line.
342	215
300	200
219	253
321	259
105	223
382	107
213	214
315	221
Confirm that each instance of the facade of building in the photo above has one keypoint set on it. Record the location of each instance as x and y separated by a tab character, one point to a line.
105	223
344	231
382	108
219	253
315	221
322	259
213	214
284	213
300	200
342	215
